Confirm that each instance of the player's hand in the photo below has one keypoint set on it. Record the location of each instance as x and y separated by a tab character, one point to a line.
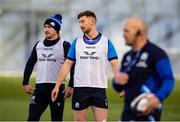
28	89
54	93
121	78
68	92
122	93
154	103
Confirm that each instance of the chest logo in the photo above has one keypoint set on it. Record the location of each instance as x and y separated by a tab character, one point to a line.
127	61
89	55
143	60
47	57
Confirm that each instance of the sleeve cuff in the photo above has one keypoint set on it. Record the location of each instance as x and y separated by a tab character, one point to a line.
72	59
113	58
25	83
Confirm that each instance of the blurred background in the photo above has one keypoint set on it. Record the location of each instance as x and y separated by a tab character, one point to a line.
21	26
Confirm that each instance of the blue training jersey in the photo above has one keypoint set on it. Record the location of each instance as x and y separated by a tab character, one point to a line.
149	71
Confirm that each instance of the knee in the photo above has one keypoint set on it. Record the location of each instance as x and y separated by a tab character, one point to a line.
80	118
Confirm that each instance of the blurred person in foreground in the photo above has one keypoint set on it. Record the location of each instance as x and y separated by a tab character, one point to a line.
49	56
90	53
149	75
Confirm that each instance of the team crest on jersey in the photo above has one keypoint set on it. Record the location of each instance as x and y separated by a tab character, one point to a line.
144	56
142	60
128	60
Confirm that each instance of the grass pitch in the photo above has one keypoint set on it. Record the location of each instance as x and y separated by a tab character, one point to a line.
14	103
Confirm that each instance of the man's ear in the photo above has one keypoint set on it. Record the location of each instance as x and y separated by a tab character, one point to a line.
93	21
138	33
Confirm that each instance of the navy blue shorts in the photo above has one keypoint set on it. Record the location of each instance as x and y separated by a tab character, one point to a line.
83	97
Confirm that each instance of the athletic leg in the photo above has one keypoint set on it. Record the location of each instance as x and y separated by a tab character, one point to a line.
57	108
99	104
80	103
37	106
80	115
100	114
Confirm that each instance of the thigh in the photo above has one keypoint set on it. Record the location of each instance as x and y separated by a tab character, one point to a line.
99	98
100	114
80	115
57	107
37	105
80	99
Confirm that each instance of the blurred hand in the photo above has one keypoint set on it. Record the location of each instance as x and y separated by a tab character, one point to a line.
68	92
122	93
28	89
154	103
54	93
121	78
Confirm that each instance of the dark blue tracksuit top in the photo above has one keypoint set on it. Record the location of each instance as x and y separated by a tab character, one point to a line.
149	71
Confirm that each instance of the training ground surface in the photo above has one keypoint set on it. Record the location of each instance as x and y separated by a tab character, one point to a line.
14	103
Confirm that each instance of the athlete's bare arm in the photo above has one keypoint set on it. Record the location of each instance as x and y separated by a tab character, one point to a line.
62	75
120	77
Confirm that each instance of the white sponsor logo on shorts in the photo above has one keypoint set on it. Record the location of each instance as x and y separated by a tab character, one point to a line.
106	102
58	104
77	105
33	100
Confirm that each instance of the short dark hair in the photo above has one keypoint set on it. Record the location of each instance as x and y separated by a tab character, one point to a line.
88	14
